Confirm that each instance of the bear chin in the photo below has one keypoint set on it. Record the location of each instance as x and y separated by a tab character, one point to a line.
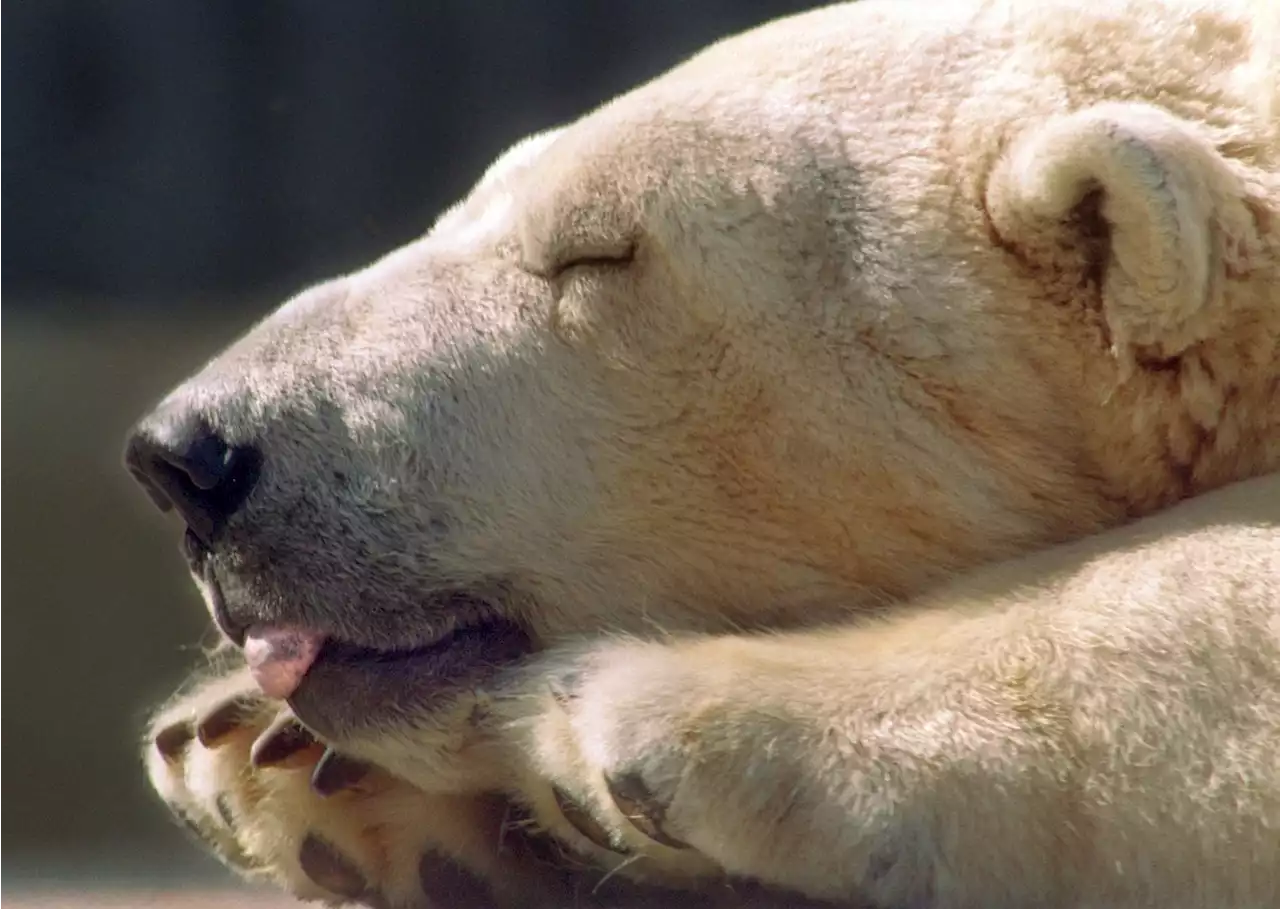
350	688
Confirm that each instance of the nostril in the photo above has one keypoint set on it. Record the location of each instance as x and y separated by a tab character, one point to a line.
196	472
241	467
205	462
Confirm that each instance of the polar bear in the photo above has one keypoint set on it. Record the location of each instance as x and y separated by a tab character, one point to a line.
612	542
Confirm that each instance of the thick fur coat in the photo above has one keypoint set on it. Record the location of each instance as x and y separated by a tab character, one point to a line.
789	457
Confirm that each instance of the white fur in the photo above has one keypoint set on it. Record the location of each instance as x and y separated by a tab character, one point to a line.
809	328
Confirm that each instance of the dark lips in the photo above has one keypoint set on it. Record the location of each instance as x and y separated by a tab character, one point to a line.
349	688
197	556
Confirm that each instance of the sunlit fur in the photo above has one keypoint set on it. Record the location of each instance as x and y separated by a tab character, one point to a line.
835	311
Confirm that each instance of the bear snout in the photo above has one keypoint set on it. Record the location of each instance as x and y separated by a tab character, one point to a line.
186	465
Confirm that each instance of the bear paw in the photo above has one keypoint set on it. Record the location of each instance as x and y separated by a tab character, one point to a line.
277	805
618	736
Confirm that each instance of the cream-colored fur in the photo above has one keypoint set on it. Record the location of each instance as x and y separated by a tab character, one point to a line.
834	312
1093	725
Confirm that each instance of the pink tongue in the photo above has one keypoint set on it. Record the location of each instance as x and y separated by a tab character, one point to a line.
280	657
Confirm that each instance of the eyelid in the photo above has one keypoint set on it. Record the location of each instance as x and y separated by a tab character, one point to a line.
590	260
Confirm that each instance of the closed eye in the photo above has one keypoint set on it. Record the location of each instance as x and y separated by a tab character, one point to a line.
619	259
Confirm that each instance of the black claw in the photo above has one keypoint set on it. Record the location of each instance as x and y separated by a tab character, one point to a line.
279	744
192	827
225	719
223	804
336	772
330	869
642	808
445	883
171	740
582	821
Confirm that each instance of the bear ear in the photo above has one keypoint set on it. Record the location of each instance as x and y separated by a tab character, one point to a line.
1132	198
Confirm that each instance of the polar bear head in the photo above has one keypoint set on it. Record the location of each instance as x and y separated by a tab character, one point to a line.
837	307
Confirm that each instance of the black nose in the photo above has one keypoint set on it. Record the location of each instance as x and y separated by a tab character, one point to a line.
191	468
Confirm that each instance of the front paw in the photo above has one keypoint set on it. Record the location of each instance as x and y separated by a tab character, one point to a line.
632	739
259	790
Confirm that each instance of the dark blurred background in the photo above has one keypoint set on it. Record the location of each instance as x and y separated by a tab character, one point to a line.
172	170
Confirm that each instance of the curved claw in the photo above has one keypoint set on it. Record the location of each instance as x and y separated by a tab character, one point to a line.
173	740
226	718
336	772
285	744
642	808
582	821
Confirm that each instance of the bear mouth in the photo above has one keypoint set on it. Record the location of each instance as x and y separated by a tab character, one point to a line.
349	687
338	686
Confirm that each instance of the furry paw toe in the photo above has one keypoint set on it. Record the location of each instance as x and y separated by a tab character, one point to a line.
277	805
